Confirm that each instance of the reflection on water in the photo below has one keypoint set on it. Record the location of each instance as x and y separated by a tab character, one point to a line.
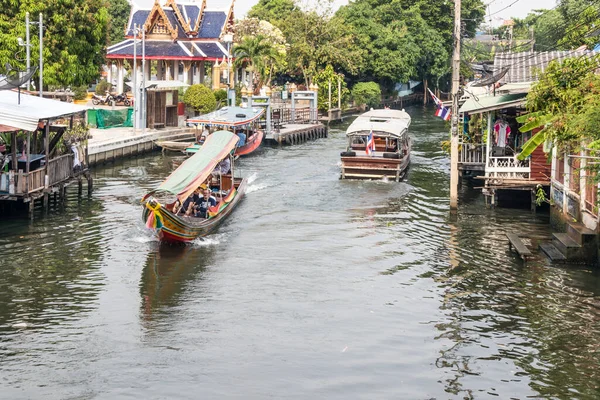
168	269
313	288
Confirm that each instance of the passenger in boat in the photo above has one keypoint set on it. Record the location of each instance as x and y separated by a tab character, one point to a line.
242	137
189	204
206	201
223	167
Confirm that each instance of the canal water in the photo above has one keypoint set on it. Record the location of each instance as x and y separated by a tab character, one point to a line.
313	288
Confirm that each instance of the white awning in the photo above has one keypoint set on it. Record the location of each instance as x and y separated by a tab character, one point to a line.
26	115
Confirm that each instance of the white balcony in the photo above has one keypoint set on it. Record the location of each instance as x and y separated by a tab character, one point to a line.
507	167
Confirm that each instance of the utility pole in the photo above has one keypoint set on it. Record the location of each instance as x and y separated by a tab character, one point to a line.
454	131
28	48
134	77
41	67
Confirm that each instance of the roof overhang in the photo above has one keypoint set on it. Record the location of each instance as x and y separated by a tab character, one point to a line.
26	114
478	105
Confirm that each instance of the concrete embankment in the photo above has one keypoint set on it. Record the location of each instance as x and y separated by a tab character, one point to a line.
110	144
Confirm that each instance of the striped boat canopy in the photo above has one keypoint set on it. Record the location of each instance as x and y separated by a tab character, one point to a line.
195	170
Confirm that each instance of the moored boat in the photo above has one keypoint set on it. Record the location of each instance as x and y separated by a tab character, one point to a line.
167	219
172	145
242	121
378	146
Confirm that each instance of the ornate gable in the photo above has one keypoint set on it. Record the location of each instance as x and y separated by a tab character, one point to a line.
198	22
228	27
184	24
158	23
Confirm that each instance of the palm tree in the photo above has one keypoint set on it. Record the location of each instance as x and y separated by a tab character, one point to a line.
256	53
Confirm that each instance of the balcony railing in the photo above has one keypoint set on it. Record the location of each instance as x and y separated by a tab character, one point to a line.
507	167
471	154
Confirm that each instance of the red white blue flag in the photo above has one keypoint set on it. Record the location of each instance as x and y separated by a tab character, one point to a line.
442	112
370	149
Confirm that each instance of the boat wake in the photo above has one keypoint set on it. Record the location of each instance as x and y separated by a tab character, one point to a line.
210	240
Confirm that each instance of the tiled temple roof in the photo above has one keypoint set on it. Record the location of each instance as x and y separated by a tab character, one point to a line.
167	49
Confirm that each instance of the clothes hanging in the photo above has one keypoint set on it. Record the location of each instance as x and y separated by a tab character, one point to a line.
502	130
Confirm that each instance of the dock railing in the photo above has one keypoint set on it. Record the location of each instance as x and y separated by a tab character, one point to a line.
60	170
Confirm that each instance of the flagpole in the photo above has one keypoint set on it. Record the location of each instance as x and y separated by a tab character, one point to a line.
454	131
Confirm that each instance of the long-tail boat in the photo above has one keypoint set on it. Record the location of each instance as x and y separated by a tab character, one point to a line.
163	218
242	121
378	146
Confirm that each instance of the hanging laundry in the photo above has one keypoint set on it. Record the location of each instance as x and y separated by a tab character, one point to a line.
502	130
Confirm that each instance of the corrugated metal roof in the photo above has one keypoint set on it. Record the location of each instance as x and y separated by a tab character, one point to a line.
480	104
526	66
31	110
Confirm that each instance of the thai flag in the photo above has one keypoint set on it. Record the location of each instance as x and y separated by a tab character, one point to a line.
370	149
443	113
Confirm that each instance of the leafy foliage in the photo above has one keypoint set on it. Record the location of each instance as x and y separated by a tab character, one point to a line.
75	33
102	87
368	93
322	79
220	95
118	18
408	39
566	103
274	11
79	92
256	53
317	38
275	51
200	98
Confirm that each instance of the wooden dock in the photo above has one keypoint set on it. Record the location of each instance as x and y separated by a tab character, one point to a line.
297	133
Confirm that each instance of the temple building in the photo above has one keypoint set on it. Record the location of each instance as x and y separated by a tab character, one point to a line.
184	41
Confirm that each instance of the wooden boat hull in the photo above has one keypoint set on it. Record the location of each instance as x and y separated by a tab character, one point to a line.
244	150
178	229
251	144
376	167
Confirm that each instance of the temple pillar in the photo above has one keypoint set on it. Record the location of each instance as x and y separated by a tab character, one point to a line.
120	75
109	74
148	70
188	72
216	76
175	70
168	70
231	78
160	73
201	72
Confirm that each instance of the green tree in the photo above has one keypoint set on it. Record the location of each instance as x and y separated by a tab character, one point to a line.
118	18
406	39
200	98
273	11
75	33
255	53
275	61
565	104
322	79
368	93
316	39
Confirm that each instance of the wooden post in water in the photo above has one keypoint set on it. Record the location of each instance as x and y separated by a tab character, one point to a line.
455	84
